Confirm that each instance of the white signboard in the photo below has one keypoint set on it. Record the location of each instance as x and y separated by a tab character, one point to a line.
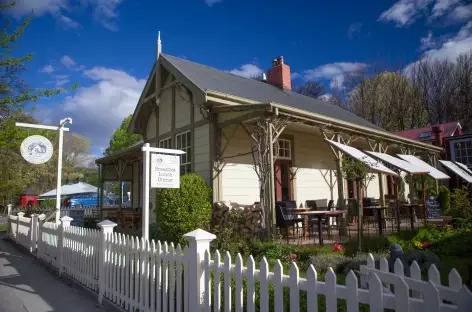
165	171
36	149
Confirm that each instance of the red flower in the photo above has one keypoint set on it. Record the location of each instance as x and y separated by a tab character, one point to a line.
426	244
337	247
294	257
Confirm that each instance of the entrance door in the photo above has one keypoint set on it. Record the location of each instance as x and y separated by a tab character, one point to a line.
283	180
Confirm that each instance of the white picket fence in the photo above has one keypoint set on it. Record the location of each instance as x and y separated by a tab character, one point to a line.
153	276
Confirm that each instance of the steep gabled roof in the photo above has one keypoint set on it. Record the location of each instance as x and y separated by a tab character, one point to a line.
414	134
211	79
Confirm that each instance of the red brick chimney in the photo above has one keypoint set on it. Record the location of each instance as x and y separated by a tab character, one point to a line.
438	132
279	74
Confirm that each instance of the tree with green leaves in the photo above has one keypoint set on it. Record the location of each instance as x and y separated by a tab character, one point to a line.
121	139
15	173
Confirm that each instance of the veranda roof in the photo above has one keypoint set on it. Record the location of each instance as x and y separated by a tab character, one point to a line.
463	167
366	159
399	163
457	170
433	172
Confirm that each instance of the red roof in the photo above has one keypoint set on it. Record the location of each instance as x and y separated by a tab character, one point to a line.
414	134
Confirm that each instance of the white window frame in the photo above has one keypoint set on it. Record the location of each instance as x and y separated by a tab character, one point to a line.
453	151
287	149
185	159
165	143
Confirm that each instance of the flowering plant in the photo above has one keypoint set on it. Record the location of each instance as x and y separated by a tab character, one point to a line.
293	257
337	247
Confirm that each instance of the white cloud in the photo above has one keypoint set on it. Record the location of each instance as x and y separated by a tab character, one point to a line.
454	46
99	108
462	13
47	69
68	62
354	30
247	70
404	12
335	72
441	7
61	80
427	42
104	11
211	2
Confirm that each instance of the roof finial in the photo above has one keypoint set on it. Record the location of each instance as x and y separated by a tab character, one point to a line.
159	45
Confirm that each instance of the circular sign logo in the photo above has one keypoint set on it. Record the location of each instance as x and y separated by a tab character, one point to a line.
36	149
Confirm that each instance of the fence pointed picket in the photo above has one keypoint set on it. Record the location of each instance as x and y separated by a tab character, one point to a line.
455	280
171	277
312	288
165	276
153	276
179	289
129	273
465	299
330	288
142	277
370	261
122	270
264	285
207	290
432	301
115	267
227	282
398	267
402	293
250	284
352	300
137	271
217	281
415	273
238	285
433	275
375	293
158	276
383	265
294	288
278	288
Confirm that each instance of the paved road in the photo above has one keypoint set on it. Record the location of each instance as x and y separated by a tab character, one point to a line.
26	286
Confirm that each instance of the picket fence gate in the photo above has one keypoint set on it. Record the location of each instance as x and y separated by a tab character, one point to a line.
153	276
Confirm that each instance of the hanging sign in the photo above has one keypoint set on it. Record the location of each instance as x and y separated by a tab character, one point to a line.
165	171
36	149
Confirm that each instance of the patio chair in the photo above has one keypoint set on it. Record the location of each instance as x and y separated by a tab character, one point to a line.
284	220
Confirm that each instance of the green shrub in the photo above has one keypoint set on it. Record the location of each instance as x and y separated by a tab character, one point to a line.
424	258
342	264
461	203
185	209
445	199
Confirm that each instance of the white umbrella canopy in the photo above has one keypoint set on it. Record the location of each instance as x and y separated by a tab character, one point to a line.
69	189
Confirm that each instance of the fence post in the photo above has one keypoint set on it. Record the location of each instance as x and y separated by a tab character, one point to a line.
65	222
34	232
39	240
106	227
199	242
10	208
20	215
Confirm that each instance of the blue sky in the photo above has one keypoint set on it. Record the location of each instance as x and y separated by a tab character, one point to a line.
108	46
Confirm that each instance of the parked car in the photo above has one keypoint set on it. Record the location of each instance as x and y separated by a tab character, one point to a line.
82	200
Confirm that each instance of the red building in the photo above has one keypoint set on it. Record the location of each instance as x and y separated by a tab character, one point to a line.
28	196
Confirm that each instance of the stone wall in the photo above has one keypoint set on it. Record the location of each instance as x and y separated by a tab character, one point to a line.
246	219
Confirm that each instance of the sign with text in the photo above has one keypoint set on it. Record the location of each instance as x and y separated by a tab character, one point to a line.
165	171
433	208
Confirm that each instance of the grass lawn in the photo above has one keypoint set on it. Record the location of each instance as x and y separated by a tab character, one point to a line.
3	227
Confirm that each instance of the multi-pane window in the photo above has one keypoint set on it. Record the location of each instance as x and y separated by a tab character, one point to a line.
183	141
463	152
283	149
164	143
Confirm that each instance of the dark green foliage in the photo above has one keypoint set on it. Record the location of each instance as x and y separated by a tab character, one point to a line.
121	139
183	210
461	203
445	199
424	258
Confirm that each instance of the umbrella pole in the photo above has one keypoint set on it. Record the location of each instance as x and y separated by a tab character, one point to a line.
424	200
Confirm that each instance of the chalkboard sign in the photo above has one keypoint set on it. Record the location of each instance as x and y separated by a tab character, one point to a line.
78	217
433	208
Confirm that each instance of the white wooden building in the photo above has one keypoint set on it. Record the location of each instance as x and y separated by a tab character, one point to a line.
210	113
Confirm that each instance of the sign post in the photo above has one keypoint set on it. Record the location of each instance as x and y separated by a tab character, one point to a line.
61	130
161	170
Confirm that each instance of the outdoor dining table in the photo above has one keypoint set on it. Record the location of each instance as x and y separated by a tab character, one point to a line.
319	215
379	215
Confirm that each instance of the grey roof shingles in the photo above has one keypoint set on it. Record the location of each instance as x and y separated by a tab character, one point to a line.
208	78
